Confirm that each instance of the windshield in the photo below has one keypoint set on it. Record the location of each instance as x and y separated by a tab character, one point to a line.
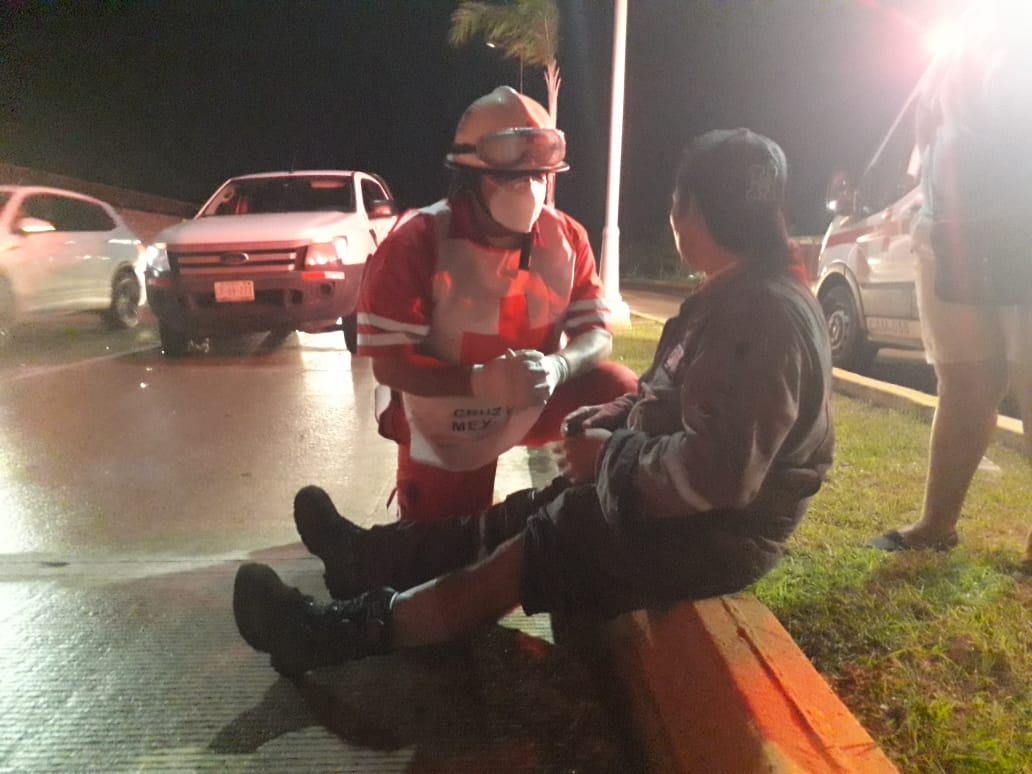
895	168
283	194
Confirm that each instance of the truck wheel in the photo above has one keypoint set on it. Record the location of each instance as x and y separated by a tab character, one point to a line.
350	327
850	348
174	342
124	311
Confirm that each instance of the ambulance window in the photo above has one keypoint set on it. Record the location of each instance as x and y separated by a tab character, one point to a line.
892	172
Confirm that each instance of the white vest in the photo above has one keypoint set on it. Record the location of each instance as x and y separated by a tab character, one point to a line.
473	286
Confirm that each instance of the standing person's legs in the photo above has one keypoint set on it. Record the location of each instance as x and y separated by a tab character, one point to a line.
1017	326
962	427
1021	389
966	344
1021	386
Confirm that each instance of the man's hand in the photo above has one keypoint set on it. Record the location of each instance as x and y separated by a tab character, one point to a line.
578	454
550	370
607	416
516	380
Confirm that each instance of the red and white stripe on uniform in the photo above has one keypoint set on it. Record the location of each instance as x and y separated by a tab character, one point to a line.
433	284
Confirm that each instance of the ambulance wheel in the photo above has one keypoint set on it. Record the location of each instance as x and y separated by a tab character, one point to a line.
850	348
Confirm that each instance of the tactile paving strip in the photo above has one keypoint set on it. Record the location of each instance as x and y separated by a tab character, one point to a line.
137	666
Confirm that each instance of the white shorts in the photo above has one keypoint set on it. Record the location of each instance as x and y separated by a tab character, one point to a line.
966	333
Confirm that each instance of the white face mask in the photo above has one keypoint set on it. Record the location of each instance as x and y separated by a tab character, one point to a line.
516	204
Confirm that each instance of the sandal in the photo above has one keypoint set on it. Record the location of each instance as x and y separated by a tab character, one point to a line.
893	540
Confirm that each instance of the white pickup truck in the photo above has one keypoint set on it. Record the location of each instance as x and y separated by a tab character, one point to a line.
277	251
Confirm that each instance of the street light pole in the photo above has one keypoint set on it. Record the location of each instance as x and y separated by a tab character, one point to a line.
610	269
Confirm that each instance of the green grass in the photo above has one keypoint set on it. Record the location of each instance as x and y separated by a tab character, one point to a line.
932	652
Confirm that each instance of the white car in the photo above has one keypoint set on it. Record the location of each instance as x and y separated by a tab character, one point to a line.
63	252
277	251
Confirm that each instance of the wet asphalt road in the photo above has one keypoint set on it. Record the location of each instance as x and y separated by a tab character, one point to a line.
129	451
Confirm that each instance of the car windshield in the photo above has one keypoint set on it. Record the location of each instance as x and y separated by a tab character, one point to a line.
283	194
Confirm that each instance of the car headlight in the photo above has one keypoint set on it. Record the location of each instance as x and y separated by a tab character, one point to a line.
320	254
155	258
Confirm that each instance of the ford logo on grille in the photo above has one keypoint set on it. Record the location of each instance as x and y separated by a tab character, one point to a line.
234	259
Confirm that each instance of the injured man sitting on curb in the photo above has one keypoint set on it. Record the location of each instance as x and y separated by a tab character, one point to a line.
688	488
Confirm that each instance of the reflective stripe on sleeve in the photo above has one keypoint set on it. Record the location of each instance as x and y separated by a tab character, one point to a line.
395	326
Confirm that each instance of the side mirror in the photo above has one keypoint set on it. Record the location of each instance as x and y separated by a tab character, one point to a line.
28	226
382	208
841	194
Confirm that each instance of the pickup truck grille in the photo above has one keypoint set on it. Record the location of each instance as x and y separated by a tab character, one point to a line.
229	261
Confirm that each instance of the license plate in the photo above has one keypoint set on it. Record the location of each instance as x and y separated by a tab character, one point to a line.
239	290
892	326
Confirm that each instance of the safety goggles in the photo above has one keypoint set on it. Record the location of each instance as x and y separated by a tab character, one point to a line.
525	148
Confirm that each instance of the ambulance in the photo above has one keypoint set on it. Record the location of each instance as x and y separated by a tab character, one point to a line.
865	269
865	274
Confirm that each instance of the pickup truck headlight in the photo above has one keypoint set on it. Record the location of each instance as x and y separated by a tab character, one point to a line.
320	254
155	259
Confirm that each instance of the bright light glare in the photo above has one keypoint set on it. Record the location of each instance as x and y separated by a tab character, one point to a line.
971	28
946	39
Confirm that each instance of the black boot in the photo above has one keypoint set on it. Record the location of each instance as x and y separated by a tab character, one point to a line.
332	538
404	554
400	554
301	634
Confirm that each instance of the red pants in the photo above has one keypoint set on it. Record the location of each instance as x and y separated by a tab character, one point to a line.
426	493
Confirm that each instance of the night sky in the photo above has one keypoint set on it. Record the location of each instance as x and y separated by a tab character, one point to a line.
173	97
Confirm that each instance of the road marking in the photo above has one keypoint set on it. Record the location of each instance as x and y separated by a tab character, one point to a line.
20	372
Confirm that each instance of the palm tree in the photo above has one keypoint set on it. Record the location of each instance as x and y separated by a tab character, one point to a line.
525	30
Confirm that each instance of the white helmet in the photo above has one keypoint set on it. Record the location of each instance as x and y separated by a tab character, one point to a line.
505	131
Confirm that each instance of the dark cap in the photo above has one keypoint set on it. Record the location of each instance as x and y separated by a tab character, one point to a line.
735	168
737	177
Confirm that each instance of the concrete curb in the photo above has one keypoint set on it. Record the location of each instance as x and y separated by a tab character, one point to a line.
718	686
1008	429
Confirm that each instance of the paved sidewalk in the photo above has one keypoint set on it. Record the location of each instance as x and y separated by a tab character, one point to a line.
137	666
